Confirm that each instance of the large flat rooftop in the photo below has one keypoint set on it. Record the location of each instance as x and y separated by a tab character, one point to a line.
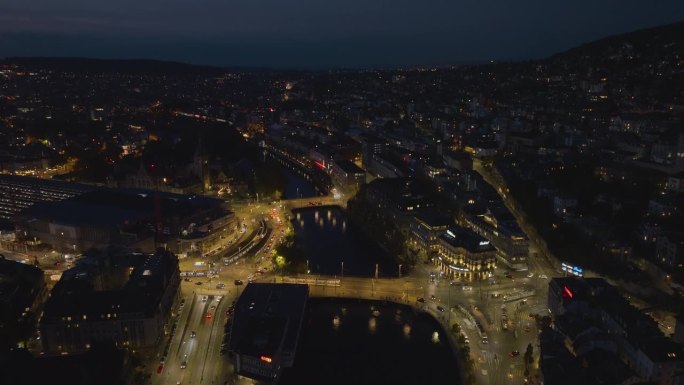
266	326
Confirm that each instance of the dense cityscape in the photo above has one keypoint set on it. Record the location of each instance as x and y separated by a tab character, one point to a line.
499	223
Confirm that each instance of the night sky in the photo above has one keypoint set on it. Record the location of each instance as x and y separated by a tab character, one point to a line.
319	33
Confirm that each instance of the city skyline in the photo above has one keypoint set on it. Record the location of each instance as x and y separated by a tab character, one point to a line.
310	35
500	223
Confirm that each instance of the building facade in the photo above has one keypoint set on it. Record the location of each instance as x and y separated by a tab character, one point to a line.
463	254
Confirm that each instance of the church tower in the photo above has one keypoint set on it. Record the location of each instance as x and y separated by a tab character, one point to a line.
201	165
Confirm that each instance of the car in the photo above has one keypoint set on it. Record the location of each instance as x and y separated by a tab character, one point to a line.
184	365
213	307
160	368
467	288
509	275
531	275
218	298
198	283
238	282
543	276
193	334
421	300
186	279
432	297
440	308
220	285
455	283
208	316
204	298
514	353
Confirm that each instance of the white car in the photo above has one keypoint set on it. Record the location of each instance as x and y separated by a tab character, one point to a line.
543	276
531	275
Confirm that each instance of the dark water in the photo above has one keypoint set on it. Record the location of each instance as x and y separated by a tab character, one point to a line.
328	239
396	346
297	186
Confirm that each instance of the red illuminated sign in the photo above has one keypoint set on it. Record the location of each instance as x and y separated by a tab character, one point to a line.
567	291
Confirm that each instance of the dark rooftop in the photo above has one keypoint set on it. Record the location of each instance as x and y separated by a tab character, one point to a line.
349	167
462	237
80	291
267	318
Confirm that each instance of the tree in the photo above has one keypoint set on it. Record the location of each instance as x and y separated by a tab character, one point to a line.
528	355
277	194
279	261
456	328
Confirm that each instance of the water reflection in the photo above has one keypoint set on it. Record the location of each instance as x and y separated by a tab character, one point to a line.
407	331
372	325
369	350
435	337
318	235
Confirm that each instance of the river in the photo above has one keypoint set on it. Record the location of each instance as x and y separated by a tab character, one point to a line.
346	341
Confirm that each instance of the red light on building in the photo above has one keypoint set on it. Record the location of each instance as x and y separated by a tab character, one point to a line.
320	165
266	359
567	291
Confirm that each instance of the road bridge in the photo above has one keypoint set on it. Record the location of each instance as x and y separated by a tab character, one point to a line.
326	200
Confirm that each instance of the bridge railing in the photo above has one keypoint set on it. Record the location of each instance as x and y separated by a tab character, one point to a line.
313	281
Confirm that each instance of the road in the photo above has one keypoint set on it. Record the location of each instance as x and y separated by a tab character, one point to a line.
482	300
493	365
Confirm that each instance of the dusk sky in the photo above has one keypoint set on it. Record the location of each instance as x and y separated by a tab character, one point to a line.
319	34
